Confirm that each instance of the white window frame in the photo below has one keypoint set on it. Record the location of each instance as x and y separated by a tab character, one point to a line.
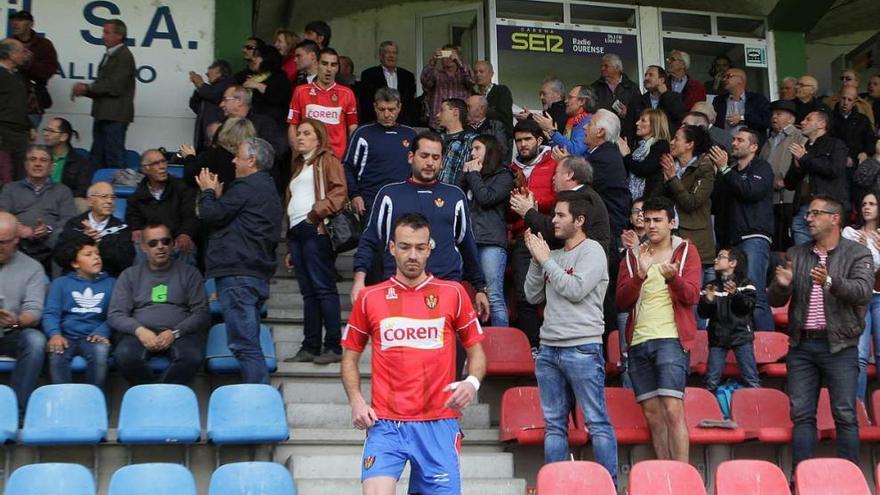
481	33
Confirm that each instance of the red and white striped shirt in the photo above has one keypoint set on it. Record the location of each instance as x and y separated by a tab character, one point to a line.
816	309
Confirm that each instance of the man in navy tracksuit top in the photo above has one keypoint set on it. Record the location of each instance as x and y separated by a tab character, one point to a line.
454	256
377	152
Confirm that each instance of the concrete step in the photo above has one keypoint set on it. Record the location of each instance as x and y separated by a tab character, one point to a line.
289	285
479	465
285	349
350	440
344	266
295	301
319	391
295	315
476	486
338	416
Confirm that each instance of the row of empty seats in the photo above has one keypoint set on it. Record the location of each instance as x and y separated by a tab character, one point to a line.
76	414
243	478
738	477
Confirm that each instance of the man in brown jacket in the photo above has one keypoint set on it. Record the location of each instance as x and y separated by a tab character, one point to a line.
112	96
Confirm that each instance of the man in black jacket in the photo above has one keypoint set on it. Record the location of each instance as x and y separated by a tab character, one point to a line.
740	108
244	223
852	127
747	190
616	92
112	235
387	75
822	162
609	174
659	95
162	199
498	96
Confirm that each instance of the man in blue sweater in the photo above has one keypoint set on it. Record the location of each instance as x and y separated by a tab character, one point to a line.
454	256
244	222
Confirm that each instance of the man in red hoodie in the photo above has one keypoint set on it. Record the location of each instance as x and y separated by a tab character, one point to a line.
659	284
533	169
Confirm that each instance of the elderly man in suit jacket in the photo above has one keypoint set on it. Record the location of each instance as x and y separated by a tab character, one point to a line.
387	75
112	95
782	134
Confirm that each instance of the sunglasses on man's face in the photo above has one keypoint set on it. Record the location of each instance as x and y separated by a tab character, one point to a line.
166	241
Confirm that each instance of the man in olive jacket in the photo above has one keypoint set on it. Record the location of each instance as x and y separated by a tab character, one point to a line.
112	95
828	283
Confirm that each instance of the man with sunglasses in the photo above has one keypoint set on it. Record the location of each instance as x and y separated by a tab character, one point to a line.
163	199
159	308
827	283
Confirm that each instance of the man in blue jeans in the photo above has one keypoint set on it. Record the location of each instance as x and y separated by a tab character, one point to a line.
570	363
828	281
245	223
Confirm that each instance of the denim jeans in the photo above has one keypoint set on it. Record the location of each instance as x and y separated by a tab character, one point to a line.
493	259
186	355
527	314
577	372
870	335
800	234
757	252
745	361
95	354
108	144
809	364
241	298
312	256
28	347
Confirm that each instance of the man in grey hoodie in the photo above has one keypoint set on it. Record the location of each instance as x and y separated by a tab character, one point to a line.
572	281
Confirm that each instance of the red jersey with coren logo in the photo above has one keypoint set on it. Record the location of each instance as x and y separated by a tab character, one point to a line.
413	331
335	107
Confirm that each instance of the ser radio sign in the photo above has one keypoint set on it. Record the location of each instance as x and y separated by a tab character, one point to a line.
566	42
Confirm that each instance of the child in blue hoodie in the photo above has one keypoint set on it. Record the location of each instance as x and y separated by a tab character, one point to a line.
75	317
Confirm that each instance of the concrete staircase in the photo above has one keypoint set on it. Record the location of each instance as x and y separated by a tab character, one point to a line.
324	451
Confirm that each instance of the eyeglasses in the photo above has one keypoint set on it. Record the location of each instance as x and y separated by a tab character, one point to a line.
722	257
674	59
166	241
155	163
53	131
816	213
228	98
250	47
635	211
103	196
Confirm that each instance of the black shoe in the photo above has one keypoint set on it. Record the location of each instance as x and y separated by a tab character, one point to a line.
328	357
303	356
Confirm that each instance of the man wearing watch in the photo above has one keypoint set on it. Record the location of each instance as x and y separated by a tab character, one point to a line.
159	308
22	292
827	283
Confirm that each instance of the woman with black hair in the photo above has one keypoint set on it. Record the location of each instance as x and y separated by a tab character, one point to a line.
269	83
487	184
71	168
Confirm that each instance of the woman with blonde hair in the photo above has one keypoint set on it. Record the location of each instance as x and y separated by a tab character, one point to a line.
284	40
643	163
316	192
218	157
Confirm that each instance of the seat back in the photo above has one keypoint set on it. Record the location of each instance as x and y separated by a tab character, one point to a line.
247	413
219	359
8	414
875	407
700	404
780	317
104	175
50	479
700	352
152	479
574	477
520	410
70	413
756	408
770	347
665	478
750	477
829	476
159	413
507	352
624	412
824	418
213	297
613	356
251	478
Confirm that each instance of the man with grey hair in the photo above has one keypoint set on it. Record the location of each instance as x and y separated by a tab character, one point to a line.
552	96
579	106
498	97
787	88
480	122
236	102
691	90
806	99
387	75
616	92
112	95
703	115
14	122
243	259
609	174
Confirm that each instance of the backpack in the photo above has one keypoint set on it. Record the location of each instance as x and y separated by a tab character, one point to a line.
724	395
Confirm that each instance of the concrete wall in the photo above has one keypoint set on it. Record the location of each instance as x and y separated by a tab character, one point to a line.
822	55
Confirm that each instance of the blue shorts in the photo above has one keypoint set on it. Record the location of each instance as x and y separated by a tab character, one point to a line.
431	447
658	367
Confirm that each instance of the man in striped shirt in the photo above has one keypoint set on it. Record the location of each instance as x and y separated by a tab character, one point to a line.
828	282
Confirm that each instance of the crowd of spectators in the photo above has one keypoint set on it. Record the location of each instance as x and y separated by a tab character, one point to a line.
689	202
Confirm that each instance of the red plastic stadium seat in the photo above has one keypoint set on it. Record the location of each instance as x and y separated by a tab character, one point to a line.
613	357
780	317
825	476
748	477
824	418
665	478
574	477
868	432
700	404
764	414
522	419
875	406
700	353
627	418
769	348
507	352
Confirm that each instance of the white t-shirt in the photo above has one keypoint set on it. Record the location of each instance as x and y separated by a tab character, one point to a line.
302	196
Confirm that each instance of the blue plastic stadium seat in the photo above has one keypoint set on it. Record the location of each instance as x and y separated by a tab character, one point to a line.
66	414
251	478
246	413
175	171
7	364
104	175
132	160
152	479
82	151
159	413
51	479
214	301
119	208
219	359
8	414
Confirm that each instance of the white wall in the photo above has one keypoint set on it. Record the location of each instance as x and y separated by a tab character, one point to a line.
822	54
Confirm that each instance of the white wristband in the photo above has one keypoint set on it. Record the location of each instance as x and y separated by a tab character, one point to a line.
473	381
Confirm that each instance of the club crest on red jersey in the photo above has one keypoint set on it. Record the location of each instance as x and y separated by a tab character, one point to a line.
369	461
391	294
431	301
439	202
334	97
